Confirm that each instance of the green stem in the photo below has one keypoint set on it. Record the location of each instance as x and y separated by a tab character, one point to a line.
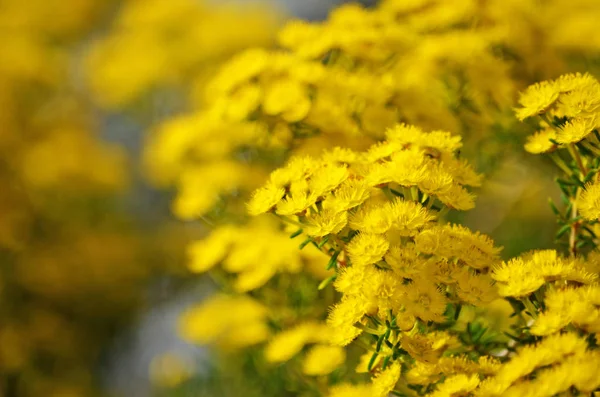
560	163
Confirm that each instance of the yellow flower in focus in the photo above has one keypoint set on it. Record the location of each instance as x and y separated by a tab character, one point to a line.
385	381
577	129
323	359
517	278
341	320
588	203
537	98
326	222
474	289
366	248
425	300
264	199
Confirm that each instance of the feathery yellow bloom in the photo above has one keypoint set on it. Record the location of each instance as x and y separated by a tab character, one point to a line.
350	194
405	261
425	301
340	155
577	306
588	203
540	141
325	222
474	289
341	320
442	141
580	371
474	249
295	203
422	373
537	98
582	101
327	178
550	350
374	219
323	359
456	385
367	248
458	198
577	129
424	348
408	217
462	172
437	181
384	381
516	278
264	199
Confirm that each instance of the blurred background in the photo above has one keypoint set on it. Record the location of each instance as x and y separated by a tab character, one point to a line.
92	275
92	263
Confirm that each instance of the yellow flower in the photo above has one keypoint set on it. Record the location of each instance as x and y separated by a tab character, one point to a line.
550	350
264	199
375	219
422	373
405	261
456	385
350	390
366	248
589	201
580	371
577	129
295	204
205	254
325	222
288	343
350	194
341	320
540	141
408	217
327	178
340	155
436	182
425	301
462	172
385	381
537	98
234	322
323	359
476	290
287	97
458	198
517	278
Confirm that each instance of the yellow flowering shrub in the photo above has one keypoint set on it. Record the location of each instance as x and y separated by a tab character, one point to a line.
335	171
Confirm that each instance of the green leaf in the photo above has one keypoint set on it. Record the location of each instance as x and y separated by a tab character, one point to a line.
333	260
326	282
296	233
561	232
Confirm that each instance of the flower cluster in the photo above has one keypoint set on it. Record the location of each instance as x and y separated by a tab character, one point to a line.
174	34
376	213
272	252
373	196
